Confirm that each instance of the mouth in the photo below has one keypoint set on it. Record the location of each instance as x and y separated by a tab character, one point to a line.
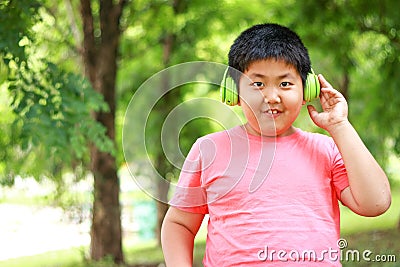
272	112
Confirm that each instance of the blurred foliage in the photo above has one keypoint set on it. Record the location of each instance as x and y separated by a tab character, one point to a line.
47	126
357	44
50	126
16	21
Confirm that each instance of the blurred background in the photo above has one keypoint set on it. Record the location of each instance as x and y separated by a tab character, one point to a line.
69	70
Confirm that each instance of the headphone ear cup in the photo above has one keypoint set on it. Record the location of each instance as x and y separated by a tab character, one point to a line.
317	87
228	90
312	88
231	92
222	90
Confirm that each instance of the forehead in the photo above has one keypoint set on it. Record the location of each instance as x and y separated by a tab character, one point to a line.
270	67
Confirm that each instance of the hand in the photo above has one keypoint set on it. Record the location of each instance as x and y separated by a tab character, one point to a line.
334	105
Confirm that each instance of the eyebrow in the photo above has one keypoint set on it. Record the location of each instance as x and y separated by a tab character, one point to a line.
260	75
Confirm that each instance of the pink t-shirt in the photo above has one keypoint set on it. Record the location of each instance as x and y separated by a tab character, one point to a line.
271	201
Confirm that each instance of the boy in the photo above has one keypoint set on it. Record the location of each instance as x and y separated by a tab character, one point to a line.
290	216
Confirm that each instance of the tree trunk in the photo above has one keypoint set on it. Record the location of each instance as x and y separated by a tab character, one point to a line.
169	101
106	230
344	86
161	164
100	60
162	206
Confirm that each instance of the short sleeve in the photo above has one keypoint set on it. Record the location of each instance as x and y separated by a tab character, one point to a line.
189	193
339	173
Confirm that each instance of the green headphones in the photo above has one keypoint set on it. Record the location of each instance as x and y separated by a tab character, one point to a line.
230	96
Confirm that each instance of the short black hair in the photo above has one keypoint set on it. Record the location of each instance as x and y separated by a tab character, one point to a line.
266	41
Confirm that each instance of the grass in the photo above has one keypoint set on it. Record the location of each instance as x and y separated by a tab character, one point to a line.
62	258
353	223
381	243
379	235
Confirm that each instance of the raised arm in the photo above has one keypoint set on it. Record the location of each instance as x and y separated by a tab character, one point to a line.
368	193
177	236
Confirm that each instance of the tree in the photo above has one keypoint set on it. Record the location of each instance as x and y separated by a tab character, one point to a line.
100	55
59	113
50	107
359	42
56	112
173	29
362	40
180	31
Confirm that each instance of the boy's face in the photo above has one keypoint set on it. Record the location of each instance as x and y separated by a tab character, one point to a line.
271	100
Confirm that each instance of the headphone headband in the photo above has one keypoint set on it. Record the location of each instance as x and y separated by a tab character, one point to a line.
229	90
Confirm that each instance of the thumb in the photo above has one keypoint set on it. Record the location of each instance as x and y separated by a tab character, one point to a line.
313	113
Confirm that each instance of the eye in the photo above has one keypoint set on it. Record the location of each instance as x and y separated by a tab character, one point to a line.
258	84
285	84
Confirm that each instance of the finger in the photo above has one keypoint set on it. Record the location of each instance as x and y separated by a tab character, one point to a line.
324	83
314	115
327	94
331	93
312	112
329	98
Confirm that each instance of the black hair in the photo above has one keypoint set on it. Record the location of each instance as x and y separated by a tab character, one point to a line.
266	41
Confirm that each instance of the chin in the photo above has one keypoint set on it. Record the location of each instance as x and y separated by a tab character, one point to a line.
276	132
268	133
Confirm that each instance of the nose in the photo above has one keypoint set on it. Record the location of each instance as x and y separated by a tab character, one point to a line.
271	96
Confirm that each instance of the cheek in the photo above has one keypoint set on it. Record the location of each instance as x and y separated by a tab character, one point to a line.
250	102
251	98
246	107
295	100
249	112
